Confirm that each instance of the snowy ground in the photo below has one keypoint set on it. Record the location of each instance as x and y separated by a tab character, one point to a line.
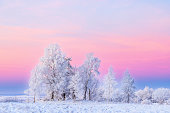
77	107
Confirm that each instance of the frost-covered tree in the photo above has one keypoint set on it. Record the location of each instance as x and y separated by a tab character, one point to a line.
58	72
89	71
76	85
127	87
161	95
93	88
117	95
99	92
109	85
35	82
145	95
53	72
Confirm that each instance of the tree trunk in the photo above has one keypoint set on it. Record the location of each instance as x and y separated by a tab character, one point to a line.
128	98
85	92
86	87
52	95
64	96
34	98
89	95
73	96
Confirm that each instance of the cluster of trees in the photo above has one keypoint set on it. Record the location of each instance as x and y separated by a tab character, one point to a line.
54	78
148	96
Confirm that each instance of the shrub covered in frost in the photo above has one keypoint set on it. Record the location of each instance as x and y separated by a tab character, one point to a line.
168	101
161	95
146	102
12	99
143	95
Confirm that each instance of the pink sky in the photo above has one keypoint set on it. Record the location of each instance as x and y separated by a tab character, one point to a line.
125	34
146	55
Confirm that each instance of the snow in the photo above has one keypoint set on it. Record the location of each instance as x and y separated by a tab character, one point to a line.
77	107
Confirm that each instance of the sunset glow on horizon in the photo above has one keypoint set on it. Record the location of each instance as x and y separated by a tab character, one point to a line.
127	34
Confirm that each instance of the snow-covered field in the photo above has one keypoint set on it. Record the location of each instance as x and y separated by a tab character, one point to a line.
22	106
